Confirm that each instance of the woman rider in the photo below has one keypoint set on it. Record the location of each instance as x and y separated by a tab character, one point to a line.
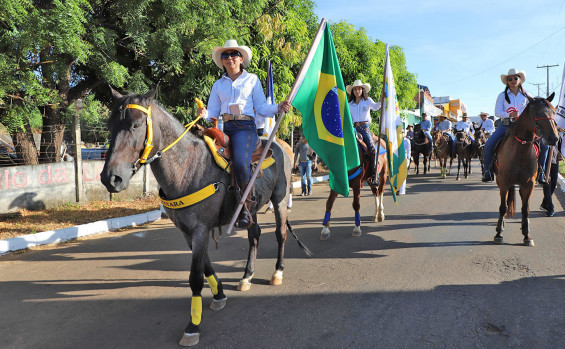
509	105
360	105
236	97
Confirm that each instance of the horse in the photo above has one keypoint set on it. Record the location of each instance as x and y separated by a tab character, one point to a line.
421	145
356	177
442	150
480	141
141	128
516	161
465	152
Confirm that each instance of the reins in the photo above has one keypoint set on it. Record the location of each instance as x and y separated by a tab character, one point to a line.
524	142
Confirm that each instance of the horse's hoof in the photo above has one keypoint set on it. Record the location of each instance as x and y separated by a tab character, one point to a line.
244	284
325	234
375	218
277	278
498	240
189	339
529	242
218	304
381	218
457	179
356	231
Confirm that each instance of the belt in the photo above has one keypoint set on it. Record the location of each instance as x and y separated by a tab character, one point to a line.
237	117
360	123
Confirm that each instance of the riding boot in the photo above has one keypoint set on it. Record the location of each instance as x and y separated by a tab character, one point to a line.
541	176
244	220
374	180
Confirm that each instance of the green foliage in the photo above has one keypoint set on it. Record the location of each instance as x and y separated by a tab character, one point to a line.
57	52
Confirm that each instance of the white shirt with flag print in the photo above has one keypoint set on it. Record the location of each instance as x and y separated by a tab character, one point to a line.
361	112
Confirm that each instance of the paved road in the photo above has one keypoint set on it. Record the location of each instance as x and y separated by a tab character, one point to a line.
427	277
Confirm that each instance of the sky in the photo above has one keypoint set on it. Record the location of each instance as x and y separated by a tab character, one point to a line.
460	48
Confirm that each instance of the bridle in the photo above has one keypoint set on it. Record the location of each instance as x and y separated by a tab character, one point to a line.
143	159
537	129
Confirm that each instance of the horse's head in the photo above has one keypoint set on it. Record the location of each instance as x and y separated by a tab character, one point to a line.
131	137
436	136
461	137
418	132
542	113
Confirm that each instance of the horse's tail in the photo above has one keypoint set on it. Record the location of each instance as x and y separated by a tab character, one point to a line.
302	246
511	202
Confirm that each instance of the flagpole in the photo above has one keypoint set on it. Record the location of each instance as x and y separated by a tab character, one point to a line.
290	97
382	111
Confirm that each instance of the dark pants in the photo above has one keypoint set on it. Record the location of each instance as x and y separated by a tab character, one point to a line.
549	188
243	138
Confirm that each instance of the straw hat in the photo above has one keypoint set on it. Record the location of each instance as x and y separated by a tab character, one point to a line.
513	71
483	113
366	87
231	45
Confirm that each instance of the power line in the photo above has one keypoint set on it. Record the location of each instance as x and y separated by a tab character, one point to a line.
501	63
538	85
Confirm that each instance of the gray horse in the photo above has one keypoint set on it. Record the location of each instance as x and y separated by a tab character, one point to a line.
186	168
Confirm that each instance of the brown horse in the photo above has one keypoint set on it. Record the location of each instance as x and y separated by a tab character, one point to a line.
516	161
480	141
442	150
356	178
465	152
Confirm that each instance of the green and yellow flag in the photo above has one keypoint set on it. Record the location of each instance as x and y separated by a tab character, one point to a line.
319	94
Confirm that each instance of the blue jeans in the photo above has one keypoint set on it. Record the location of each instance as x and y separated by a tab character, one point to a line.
453	141
499	134
243	138
429	137
305	168
365	132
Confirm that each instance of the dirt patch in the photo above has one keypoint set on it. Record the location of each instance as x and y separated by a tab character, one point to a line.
30	222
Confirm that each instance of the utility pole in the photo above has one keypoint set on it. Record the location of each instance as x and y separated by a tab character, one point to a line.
547	69
538	85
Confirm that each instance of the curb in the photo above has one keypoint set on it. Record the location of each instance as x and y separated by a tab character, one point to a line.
104	226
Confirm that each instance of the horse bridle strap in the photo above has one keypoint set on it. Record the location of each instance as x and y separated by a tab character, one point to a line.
149	140
190	199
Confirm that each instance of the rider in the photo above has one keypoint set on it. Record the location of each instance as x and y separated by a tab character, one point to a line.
466	126
235	97
444	126
360	105
426	127
509	105
486	124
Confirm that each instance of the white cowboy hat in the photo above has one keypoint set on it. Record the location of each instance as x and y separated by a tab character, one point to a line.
513	71
483	113
356	83
231	45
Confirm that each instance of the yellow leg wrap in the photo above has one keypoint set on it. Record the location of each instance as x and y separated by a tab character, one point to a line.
213	284
196	310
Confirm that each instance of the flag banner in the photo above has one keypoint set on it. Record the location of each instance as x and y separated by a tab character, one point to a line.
269	122
560	114
392	128
319	95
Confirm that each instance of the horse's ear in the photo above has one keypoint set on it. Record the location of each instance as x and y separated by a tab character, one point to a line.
529	98
550	98
115	94
151	94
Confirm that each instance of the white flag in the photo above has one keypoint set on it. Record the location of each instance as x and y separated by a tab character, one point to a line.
560	114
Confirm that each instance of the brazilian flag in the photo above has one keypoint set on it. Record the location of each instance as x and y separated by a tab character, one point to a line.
326	121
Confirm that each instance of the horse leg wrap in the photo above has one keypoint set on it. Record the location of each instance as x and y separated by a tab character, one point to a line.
357	219
196	310
213	282
326	218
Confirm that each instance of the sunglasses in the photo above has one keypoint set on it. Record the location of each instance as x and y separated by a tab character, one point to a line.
233	54
513	78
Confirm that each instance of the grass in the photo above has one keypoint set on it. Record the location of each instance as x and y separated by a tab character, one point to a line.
71	214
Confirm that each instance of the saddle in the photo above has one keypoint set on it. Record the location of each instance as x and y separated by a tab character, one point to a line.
220	145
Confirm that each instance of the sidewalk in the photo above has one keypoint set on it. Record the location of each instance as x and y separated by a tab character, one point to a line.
66	234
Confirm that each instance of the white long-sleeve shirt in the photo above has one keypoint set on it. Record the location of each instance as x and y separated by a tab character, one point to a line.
487	125
466	126
361	112
517	103
246	90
